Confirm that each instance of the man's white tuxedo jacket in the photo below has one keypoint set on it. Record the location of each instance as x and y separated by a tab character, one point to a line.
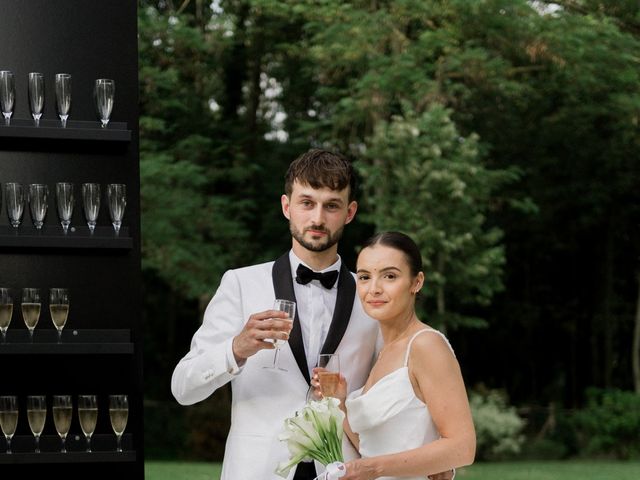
261	398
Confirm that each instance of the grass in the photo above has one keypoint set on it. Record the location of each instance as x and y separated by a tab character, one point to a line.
565	470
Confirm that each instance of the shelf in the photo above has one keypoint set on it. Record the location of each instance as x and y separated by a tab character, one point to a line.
75	130
26	236
102	445
74	342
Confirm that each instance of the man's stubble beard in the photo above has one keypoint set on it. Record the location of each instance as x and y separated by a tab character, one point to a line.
329	242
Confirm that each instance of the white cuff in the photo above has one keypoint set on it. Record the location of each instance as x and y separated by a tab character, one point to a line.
232	366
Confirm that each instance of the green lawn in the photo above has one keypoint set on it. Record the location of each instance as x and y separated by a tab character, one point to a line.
568	470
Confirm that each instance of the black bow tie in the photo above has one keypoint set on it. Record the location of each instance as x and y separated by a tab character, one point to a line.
304	275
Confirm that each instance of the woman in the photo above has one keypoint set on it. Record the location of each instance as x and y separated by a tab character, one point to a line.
412	418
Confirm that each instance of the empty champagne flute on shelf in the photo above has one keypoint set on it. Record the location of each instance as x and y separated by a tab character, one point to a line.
8	417
65	201
62	415
37	415
119	414
36	96
59	308
14	198
7	94
88	415
31	308
6	311
63	96
117	199
289	307
91	201
104	93
38	196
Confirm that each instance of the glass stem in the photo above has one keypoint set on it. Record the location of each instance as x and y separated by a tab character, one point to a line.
275	358
37	443
88	443
9	445
64	444
119	443
59	336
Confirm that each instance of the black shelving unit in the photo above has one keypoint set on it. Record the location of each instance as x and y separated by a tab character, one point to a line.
100	351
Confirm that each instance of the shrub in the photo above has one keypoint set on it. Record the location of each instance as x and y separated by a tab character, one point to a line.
498	426
610	423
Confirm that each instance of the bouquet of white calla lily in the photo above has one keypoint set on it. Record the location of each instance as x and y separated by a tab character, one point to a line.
314	433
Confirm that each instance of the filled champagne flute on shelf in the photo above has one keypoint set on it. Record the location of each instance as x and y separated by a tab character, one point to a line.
59	308
65	201
88	415
91	202
329	377
8	417
6	311
7	94
14	198
31	308
36	96
119	415
62	415
63	96
289	307
37	415
38	197
104	94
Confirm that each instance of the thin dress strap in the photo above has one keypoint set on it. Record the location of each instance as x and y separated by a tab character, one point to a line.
433	330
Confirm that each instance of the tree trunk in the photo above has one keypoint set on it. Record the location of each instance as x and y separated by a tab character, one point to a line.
635	354
609	320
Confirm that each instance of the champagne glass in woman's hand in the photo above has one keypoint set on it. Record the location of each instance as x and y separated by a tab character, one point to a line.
290	308
329	373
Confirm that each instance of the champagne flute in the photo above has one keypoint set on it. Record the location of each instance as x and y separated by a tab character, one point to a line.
104	92
290	308
88	414
117	197
37	415
91	200
59	308
8	417
329	377
63	96
36	96
119	414
31	308
65	201
6	312
14	197
62	415
38	195
7	94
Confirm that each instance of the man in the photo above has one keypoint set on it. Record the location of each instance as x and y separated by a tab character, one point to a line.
232	343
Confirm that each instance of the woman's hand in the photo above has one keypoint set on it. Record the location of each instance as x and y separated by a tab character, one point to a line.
361	469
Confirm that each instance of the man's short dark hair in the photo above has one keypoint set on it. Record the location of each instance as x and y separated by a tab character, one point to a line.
321	169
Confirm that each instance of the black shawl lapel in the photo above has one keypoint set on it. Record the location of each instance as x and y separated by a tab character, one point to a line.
283	287
342	312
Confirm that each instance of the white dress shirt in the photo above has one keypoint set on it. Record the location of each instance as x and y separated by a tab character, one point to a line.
315	305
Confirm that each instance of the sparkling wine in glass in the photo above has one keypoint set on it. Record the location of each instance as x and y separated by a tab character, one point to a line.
63	96
14	198
119	414
31	308
38	196
88	415
290	308
91	201
329	377
59	308
6	311
8	417
62	415
104	93
7	94
65	202
36	96
37	415
117	198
